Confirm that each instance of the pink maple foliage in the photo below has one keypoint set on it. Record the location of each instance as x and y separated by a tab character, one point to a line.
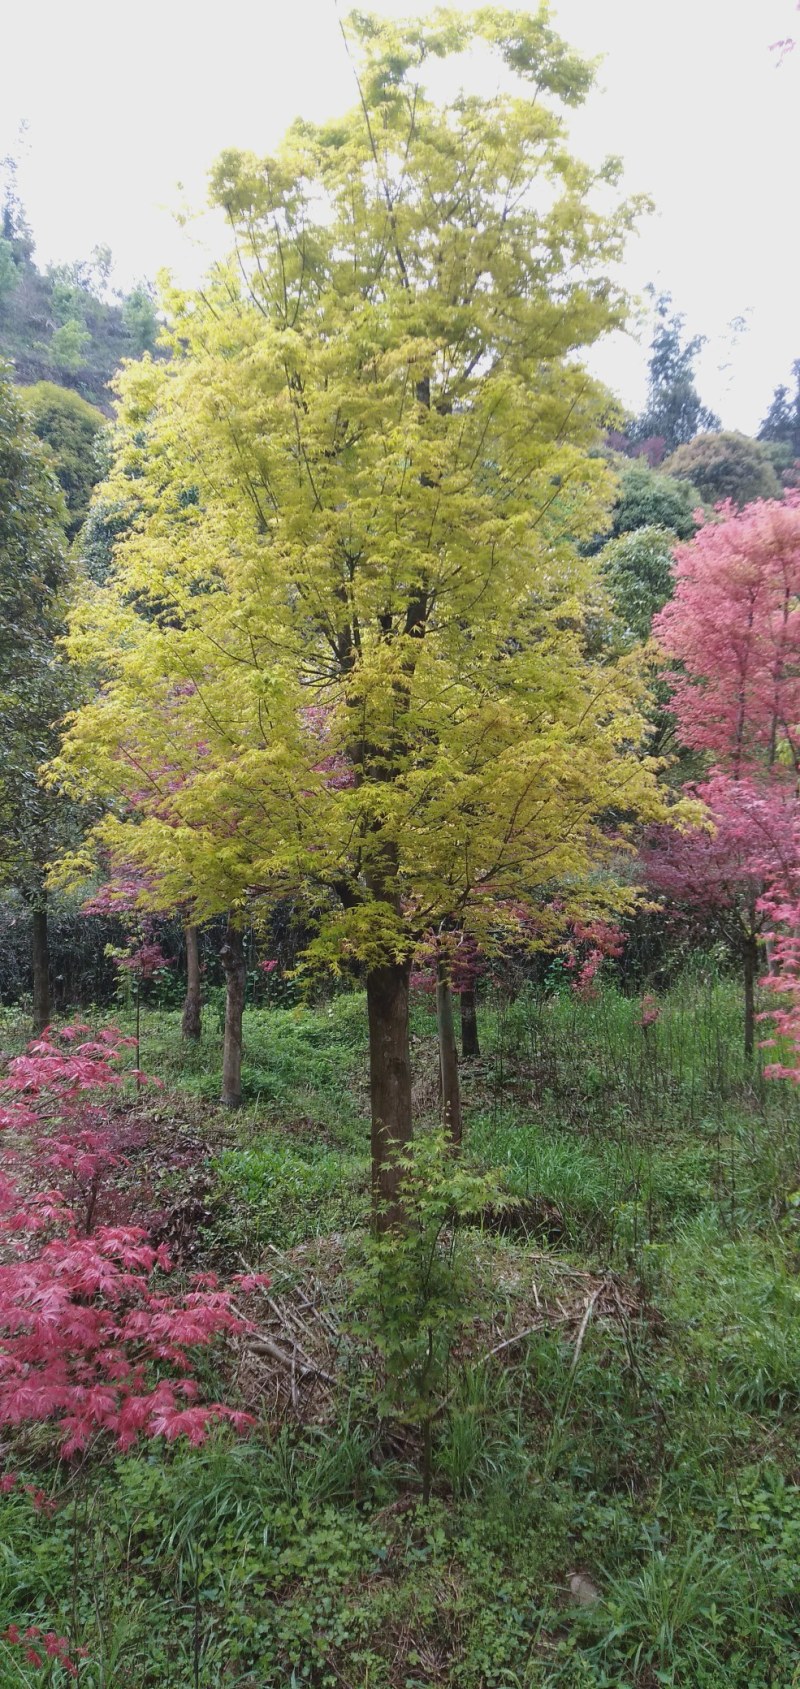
469	963
724	869
124	891
145	960
75	1137
467	960
588	946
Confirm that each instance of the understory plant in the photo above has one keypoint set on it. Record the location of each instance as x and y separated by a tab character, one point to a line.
416	1289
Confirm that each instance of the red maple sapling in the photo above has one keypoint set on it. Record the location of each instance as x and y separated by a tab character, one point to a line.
90	1338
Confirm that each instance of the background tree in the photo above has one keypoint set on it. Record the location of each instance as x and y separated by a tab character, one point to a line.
192	1014
781	425
674	411
648	499
8	270
140	318
34	684
637	569
64	324
725	466
107	522
182	829
73	429
467	966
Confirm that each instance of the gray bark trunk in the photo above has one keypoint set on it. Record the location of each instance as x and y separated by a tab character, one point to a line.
232	958
191	1020
750	972
390	1087
40	955
448	1056
469	1024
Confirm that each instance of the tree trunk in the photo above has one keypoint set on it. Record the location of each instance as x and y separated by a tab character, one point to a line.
469	1024
750	972
138	1039
448	1056
191	1020
390	1087
41	968
232	959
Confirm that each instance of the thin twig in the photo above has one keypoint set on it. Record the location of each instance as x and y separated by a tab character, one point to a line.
518	1337
583	1328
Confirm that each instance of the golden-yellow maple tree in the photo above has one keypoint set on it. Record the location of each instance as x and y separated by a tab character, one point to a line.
343	647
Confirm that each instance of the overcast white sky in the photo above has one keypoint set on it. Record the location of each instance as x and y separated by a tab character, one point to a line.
125	102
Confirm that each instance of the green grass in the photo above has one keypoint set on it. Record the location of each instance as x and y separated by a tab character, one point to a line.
287	1193
663	1462
301	1065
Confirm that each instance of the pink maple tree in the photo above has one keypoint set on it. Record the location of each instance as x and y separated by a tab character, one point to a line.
734	626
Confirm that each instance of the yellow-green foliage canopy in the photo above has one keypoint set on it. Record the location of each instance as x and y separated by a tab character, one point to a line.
344	645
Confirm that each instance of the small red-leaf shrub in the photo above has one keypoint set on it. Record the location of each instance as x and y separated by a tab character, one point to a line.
42	1647
650	1011
39	1500
89	1338
729	875
780	911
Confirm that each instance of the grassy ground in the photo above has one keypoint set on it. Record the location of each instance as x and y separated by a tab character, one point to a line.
615	1439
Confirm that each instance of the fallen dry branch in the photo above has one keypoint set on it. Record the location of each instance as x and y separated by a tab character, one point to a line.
259	1343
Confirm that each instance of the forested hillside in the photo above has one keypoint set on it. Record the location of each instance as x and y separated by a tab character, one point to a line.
62	324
